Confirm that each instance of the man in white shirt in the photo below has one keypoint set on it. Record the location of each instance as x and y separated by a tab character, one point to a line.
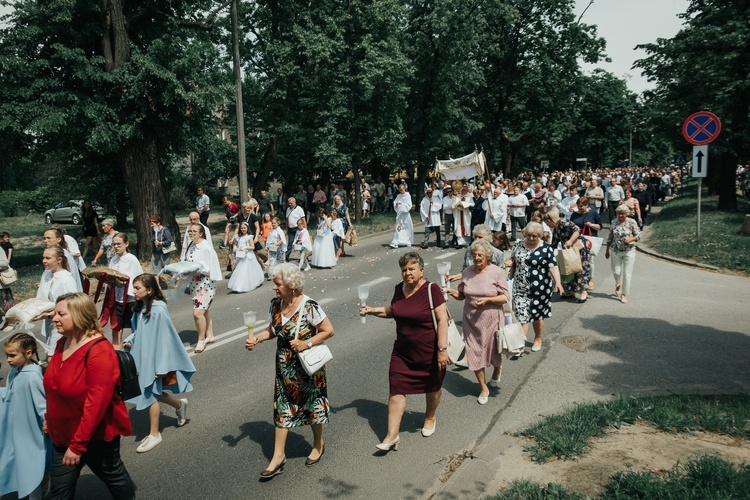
496	208
517	204
186	241
448	201
429	211
202	206
615	194
596	194
294	213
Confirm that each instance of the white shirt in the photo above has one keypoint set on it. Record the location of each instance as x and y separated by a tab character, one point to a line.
518	200
448	202
293	215
186	240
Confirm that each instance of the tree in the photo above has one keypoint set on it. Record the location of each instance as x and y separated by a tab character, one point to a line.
127	87
705	67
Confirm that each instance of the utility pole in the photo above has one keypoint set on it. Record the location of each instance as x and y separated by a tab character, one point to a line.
239	108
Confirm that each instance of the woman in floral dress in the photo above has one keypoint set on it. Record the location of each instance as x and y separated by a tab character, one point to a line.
299	399
566	234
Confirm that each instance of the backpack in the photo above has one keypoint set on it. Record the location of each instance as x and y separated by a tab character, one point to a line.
128	386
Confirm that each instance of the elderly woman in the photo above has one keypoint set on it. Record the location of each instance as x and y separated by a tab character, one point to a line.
484	288
161	239
534	269
85	414
623	235
203	285
566	233
420	355
297	323
106	248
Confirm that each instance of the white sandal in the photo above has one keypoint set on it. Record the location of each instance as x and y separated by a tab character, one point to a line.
200	347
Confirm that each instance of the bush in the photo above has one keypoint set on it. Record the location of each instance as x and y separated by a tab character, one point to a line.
22	202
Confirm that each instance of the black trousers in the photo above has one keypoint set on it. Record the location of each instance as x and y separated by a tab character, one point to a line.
103	458
204	218
291	234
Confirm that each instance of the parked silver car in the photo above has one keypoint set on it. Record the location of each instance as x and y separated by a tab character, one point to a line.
70	212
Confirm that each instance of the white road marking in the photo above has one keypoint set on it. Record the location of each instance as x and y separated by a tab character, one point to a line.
377	281
227	337
446	255
325	301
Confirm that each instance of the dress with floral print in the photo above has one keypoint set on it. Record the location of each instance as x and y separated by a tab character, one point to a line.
299	399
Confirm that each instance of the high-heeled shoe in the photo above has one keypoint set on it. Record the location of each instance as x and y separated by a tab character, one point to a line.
309	462
429	432
388	445
268	473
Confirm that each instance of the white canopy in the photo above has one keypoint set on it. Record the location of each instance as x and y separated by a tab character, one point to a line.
466	167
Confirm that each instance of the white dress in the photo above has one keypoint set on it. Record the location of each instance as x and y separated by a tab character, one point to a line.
324	253
247	274
404	234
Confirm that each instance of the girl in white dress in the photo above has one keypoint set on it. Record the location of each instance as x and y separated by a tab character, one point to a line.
116	309
56	280
276	246
247	275
324	254
55	237
302	244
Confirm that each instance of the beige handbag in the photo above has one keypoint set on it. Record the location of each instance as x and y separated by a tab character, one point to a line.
455	340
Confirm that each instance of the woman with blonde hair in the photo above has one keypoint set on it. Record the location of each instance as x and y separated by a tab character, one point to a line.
566	234
85	414
623	235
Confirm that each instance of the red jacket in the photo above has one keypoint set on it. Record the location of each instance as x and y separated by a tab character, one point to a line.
82	403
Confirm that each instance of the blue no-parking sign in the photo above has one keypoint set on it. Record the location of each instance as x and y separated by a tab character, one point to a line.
701	128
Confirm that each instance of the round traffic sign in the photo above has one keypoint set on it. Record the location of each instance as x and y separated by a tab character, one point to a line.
701	128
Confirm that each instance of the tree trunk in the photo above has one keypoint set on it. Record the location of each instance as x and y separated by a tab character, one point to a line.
147	189
266	166
357	190
727	183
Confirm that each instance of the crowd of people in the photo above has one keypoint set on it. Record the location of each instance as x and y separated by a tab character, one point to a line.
510	228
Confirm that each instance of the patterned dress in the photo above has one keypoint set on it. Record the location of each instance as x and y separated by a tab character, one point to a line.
561	234
298	399
532	283
480	323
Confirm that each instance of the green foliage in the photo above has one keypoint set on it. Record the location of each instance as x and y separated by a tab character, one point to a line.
17	203
567	435
529	490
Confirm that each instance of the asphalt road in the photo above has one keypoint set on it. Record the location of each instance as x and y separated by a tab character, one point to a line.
229	436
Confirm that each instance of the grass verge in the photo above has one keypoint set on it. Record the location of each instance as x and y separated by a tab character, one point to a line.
721	243
697	479
567	435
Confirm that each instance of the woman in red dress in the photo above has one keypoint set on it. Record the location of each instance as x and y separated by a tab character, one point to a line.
420	354
85	414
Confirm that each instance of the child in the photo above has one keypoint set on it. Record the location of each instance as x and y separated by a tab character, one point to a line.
302	244
6	245
276	246
248	273
265	227
160	357
23	456
337	228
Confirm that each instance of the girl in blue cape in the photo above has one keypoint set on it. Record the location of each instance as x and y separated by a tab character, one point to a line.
160	357
23	446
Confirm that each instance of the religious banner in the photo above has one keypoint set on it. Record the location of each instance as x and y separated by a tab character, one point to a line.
466	167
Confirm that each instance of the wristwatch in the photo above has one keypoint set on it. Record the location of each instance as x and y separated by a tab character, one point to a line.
442	349
309	344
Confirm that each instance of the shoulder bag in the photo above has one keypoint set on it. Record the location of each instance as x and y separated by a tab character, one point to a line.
128	386
511	340
315	357
8	276
594	243
455	340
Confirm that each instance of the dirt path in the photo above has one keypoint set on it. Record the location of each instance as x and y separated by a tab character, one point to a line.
637	447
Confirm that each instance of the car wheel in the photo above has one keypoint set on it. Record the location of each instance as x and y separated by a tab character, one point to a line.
76	219
48	219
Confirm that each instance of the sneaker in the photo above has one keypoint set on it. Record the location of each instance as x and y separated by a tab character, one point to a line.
182	413
393	245
307	268
223	245
149	443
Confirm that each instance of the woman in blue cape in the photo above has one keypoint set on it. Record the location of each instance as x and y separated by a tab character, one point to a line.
23	447
160	357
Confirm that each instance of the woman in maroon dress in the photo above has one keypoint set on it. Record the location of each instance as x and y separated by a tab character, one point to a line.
420	354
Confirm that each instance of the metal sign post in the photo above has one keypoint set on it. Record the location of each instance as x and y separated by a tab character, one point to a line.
700	129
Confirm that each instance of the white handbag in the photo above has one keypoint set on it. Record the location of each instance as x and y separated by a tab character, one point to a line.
171	248
455	340
511	340
240	254
313	358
